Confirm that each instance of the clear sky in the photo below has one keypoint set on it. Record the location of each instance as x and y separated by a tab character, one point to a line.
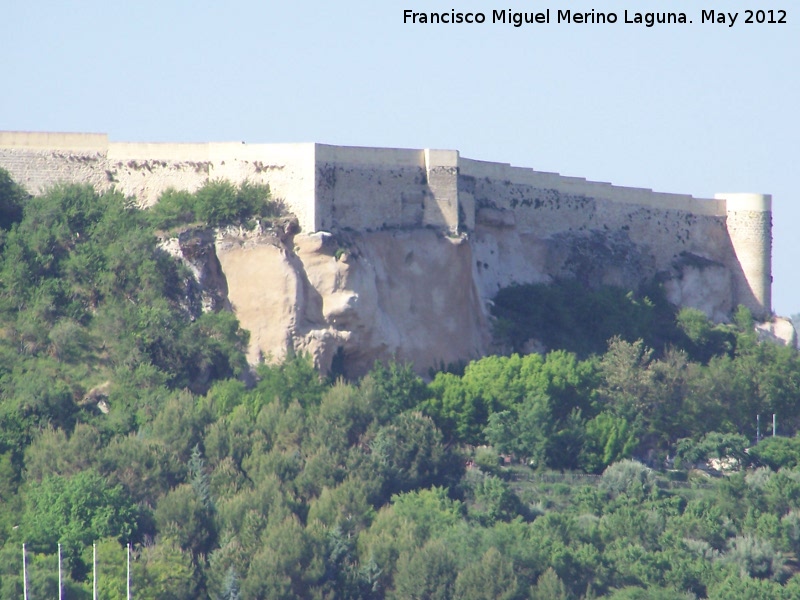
695	108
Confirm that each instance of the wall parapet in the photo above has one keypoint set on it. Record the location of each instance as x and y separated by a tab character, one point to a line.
593	189
41	140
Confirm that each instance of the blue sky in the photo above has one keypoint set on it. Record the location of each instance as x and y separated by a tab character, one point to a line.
695	108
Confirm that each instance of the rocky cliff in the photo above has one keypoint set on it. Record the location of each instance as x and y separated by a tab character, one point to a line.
412	295
348	300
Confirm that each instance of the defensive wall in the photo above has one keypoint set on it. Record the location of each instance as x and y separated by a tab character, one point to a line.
333	188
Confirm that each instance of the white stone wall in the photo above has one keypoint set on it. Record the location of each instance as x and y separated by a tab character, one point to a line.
546	209
146	170
377	188
363	189
42	140
38	170
525	225
441	168
501	173
543	214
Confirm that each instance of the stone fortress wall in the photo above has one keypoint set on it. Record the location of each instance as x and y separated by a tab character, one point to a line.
561	225
670	232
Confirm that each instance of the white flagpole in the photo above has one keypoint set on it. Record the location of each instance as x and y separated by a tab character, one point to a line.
60	583
94	571
24	575
129	571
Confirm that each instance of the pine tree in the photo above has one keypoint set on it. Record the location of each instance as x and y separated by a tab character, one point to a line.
199	477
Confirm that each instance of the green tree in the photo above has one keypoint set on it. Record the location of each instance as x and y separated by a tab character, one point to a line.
651	593
755	557
396	389
217	203
163	571
181	515
713	445
410	454
293	379
345	413
704	338
287	565
344	507
75	511
427	574
52	452
406	525
12	199
174	207
145	467
607	439
549	587
9	478
492	578
179	424
732	585
111	568
543	394
490	499
626	379
224	396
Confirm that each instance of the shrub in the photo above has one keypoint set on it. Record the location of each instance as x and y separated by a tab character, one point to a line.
628	477
777	452
216	203
712	445
12	197
754	557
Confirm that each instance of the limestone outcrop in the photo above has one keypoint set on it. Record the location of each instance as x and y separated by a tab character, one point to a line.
778	330
413	295
347	300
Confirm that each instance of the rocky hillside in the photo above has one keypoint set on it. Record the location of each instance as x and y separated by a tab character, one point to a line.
414	295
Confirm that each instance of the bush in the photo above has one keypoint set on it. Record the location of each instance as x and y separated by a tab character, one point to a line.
216	203
712	445
75	511
487	459
704	339
777	452
12	197
754	557
630	478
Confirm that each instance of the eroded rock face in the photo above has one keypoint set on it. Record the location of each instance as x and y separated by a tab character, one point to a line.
403	295
506	256
414	295
695	282
206	289
779	331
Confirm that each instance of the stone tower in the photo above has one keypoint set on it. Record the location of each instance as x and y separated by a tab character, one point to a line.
749	221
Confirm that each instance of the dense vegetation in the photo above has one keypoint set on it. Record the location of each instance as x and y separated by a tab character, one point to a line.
570	316
513	479
217	203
